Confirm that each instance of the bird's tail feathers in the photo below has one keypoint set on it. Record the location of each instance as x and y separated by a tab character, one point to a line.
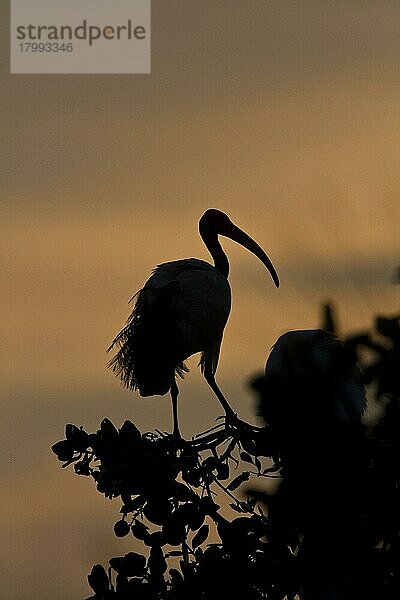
144	360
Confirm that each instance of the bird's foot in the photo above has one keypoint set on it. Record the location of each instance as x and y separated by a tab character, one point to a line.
233	423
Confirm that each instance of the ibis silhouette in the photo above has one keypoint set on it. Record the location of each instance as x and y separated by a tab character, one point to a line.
181	310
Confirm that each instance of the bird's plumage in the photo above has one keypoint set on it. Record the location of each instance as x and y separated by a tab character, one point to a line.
311	370
314	398
181	310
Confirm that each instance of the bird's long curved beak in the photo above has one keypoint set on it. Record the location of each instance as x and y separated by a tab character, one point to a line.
239	236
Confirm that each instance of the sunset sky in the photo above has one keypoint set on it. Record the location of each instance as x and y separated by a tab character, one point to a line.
284	114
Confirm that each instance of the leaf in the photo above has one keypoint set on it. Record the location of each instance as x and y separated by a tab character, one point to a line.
82	467
140	530
245	456
257	462
189	514
131	504
248	444
223	471
176	577
237	508
131	565
63	450
134	564
200	536
117	563
235	483
78	438
98	580
69	462
270	470
130	435
157	511
69	429
182	492
230	449
108	430
121	528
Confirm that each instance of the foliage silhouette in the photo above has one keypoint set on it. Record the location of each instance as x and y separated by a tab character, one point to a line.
333	526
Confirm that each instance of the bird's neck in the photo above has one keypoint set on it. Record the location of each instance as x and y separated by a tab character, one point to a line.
221	262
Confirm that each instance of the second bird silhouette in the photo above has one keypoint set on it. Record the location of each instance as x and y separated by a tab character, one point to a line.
181	310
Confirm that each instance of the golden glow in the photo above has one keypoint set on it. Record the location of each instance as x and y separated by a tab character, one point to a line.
288	120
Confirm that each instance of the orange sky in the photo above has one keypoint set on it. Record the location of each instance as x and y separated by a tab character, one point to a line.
285	115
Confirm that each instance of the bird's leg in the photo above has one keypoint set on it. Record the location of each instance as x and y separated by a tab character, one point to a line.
209	376
174	397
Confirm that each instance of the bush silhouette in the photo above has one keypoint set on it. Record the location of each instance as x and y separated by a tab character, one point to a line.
332	530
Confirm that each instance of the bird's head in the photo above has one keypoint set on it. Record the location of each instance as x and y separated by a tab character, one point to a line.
214	222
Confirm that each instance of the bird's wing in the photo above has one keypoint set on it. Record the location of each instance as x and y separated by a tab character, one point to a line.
200	302
181	310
